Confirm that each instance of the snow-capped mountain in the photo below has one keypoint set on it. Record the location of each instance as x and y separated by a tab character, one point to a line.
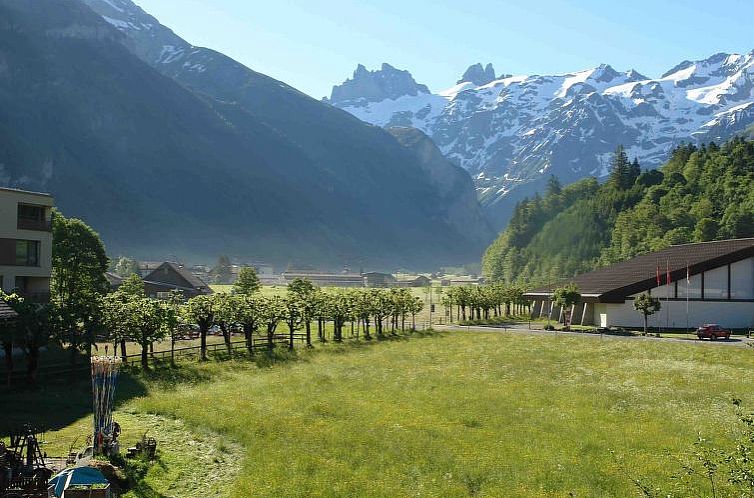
510	132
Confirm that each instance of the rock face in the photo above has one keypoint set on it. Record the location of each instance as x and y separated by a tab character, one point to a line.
374	86
514	131
170	150
478	75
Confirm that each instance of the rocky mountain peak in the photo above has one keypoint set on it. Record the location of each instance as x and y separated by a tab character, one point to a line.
478	75
375	86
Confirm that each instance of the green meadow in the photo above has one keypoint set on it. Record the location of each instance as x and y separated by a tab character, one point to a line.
439	415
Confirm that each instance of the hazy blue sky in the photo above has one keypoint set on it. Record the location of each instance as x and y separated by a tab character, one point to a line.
312	44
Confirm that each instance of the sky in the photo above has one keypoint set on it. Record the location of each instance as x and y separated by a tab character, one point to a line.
314	44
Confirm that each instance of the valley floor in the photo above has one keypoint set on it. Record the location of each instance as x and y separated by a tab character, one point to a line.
444	415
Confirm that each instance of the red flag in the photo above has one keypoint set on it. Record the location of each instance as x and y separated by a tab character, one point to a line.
667	278
658	275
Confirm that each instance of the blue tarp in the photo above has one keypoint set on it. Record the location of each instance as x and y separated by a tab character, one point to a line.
77	475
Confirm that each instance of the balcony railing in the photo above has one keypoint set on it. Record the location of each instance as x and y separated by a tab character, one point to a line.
37	225
36	297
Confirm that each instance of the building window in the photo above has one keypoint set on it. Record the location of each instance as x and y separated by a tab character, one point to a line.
32	218
27	252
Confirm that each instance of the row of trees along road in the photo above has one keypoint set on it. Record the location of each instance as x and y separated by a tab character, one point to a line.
82	310
481	302
130	315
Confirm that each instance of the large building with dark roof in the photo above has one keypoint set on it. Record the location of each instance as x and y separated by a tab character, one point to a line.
719	288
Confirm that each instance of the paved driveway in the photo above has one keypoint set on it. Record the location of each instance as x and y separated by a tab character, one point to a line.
523	328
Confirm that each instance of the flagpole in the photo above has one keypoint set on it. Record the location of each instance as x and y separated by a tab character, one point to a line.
688	282
667	295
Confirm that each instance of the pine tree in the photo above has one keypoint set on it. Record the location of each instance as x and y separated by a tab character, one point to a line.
620	169
247	282
634	171
553	186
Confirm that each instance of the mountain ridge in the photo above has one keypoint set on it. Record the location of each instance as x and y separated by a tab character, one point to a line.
512	132
179	162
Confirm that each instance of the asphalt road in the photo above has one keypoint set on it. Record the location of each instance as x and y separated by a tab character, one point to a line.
523	328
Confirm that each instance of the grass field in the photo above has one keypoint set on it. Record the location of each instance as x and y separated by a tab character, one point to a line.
452	414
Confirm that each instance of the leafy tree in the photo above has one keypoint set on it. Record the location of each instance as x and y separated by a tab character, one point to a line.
247	281
292	317
308	298
225	307
78	281
250	315
172	318
132	286
200	310
647	306
147	319
273	312
566	296
126	266
30	331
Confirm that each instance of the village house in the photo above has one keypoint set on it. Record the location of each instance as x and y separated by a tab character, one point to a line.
172	276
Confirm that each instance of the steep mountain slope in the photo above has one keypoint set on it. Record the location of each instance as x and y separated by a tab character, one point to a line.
701	194
508	131
244	165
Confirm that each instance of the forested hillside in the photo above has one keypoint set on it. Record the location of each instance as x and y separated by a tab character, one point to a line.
702	193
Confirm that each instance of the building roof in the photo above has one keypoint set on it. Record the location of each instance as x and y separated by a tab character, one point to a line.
6	312
616	282
29	192
323	276
113	279
189	277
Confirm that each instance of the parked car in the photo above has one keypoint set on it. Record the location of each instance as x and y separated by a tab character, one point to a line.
712	331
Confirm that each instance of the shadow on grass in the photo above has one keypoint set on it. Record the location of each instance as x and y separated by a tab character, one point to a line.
56	403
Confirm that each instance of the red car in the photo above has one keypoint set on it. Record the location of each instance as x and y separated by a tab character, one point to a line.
712	331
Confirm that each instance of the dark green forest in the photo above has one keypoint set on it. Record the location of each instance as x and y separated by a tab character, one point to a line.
702	193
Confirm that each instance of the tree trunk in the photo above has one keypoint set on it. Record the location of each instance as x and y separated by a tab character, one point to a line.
367	336
8	349
123	350
172	348
32	364
319	330
290	336
203	344
226	338
270	333
144	356
247	333
308	333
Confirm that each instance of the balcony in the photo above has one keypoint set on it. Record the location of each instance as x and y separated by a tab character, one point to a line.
31	217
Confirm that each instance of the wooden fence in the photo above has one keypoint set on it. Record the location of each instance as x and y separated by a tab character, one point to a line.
259	343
